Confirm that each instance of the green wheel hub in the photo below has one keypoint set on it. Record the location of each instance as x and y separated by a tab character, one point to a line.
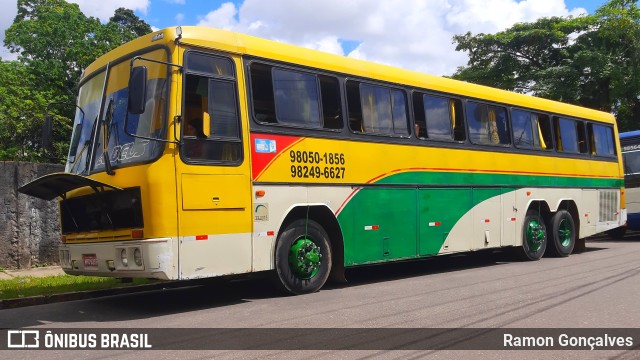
535	235
564	232
304	258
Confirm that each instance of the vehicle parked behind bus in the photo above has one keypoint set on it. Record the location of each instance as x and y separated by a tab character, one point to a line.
630	142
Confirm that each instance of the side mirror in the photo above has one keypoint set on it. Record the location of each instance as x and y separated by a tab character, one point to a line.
47	128
137	90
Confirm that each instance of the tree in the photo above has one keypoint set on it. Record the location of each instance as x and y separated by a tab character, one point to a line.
129	25
55	42
20	110
54	39
591	60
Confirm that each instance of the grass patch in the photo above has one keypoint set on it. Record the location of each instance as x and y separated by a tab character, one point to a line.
34	286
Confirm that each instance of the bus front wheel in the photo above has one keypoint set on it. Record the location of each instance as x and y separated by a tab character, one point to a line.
563	234
303	257
534	236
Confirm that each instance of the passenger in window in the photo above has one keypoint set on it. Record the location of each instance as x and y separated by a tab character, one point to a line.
194	148
194	128
420	131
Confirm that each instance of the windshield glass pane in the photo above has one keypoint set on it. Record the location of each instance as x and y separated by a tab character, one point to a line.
123	148
631	160
89	104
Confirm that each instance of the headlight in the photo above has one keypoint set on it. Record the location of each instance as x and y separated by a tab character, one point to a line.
123	257
137	256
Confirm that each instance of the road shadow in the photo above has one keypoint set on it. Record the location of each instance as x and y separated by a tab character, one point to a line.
393	271
630	236
176	298
195	295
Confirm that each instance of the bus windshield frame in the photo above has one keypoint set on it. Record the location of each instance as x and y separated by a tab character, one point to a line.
103	98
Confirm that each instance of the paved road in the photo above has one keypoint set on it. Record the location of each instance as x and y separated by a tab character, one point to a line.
596	289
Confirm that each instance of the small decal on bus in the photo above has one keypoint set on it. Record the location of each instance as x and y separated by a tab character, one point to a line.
265	146
261	212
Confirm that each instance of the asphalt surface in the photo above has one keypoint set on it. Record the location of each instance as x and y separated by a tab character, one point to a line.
598	289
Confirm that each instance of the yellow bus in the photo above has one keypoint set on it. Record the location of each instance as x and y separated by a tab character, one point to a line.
198	153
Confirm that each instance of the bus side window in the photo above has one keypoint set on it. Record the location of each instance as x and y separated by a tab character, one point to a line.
531	130
420	124
601	140
377	109
439	122
331	102
487	124
457	118
264	108
568	134
583	146
353	106
544	132
211	126
295	98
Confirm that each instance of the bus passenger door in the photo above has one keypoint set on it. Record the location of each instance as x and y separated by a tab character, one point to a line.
213	171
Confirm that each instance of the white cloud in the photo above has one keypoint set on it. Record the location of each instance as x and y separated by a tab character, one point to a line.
105	9
178	2
413	34
179	18
223	17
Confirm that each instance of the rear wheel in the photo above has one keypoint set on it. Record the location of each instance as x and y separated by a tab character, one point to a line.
534	236
303	257
562	234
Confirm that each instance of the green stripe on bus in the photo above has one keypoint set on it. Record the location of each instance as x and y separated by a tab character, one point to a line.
510	180
392	223
382	224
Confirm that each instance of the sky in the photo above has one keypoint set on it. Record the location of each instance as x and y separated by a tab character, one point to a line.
412	34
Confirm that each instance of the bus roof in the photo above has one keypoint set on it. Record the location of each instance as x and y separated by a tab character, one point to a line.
227	41
630	134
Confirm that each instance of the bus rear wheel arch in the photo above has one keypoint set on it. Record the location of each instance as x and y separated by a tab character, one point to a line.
303	257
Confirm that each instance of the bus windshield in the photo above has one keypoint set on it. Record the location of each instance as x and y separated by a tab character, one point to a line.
631	160
86	150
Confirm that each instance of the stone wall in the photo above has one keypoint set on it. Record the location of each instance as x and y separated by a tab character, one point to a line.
29	227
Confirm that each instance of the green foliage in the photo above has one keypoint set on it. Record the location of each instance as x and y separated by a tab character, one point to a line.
55	42
26	286
128	25
591	61
22	106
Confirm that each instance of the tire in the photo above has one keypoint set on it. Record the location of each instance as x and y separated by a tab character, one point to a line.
617	233
562	234
534	236
303	257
